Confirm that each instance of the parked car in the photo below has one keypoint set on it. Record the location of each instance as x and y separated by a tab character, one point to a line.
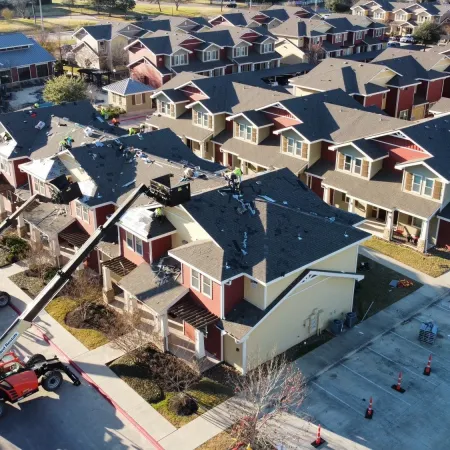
407	39
393	44
231	5
395	38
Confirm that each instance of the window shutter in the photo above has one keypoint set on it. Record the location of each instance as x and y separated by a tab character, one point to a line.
210	124
143	98
437	190
236	129
254	131
365	168
408	181
158	106
284	144
133	99
340	161
305	151
172	110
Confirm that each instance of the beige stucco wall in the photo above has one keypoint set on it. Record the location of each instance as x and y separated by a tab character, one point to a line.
187	229
219	123
314	153
254	293
230	353
142	107
301	92
375	167
288	323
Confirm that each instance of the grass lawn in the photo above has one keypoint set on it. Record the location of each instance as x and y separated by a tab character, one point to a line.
59	308
435	263
223	441
31	285
207	392
375	288
50	23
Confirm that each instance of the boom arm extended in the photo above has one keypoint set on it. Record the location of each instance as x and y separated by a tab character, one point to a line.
7	222
23	322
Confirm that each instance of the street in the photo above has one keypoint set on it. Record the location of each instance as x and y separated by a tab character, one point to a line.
75	418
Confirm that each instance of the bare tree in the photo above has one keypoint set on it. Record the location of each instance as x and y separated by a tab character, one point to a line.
177	4
119	56
21	7
158	2
44	40
39	261
315	54
85	285
266	393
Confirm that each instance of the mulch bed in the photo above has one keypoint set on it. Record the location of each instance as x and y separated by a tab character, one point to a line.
91	315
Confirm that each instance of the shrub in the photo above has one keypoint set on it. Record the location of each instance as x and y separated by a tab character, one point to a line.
182	405
49	273
18	248
110	111
7	13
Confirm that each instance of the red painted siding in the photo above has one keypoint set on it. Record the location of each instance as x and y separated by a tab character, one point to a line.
374	100
14	74
391	101
316	186
211	304
189	331
103	212
435	90
401	150
213	341
130	254
160	247
33	71
88	227
446	92
234	293
406	99
218	156
443	237
21	177
327	155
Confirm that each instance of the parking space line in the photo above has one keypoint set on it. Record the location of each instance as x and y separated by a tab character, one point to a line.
404	368
441	307
336	397
375	384
423	348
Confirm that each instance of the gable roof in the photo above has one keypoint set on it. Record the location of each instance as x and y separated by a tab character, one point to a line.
33	53
294	230
128	87
164	42
99	32
237	18
352	77
301	27
224	36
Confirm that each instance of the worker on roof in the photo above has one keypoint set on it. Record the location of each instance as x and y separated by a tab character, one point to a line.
159	214
238	173
69	141
131	131
36	105
142	127
115	121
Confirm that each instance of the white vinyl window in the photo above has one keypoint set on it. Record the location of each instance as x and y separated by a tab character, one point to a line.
180	60
39	186
138	247
240	51
428	187
403	114
352	164
207	286
245	132
165	108
338	38
378	15
357	166
359	35
202	119
130	240
82	211
400	17
211	55
378	32
294	147
267	48
195	279
417	184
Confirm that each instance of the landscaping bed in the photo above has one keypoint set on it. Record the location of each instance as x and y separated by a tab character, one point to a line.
375	288
222	441
146	373
64	308
435	263
4	260
12	249
29	284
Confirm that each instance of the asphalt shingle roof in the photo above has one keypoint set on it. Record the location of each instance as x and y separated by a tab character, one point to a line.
34	54
128	87
99	32
291	232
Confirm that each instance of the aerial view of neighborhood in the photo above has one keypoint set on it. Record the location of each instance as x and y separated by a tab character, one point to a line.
224	225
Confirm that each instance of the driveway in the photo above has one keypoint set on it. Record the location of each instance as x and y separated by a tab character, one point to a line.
74	418
416	419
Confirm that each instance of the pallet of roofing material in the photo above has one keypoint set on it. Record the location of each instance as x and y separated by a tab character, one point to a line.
428	332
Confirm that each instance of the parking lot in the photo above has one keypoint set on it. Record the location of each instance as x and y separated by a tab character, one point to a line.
416	419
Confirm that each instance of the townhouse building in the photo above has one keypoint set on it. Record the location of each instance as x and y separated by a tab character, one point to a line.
22	59
403	83
222	50
336	35
402	17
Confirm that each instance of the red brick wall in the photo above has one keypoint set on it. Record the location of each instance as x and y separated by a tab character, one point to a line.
374	100
213	341
212	304
160	246
103	212
435	90
316	186
234	294
406	99
189	331
130	254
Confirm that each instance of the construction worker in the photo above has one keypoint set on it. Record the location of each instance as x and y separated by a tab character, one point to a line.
238	173
159	214
131	131
188	173
115	121
36	105
142	127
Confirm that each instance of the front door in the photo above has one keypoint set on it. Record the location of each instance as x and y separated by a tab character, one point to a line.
382	215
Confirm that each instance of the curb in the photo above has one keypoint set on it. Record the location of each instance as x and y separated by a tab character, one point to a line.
91	382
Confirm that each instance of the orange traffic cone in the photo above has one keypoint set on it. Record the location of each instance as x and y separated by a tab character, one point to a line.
369	410
398	387
427	369
318	441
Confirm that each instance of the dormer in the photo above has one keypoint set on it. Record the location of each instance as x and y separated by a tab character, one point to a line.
178	58
170	103
402	16
251	126
266	45
201	117
240	50
362	158
209	52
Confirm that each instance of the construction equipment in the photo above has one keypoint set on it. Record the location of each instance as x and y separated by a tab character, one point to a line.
19	379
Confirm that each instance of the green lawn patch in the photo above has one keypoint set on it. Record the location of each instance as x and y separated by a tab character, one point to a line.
435	263
375	288
146	380
60	307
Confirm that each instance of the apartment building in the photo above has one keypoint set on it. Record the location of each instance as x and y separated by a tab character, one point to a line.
336	35
222	50
403	83
22	59
402	18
